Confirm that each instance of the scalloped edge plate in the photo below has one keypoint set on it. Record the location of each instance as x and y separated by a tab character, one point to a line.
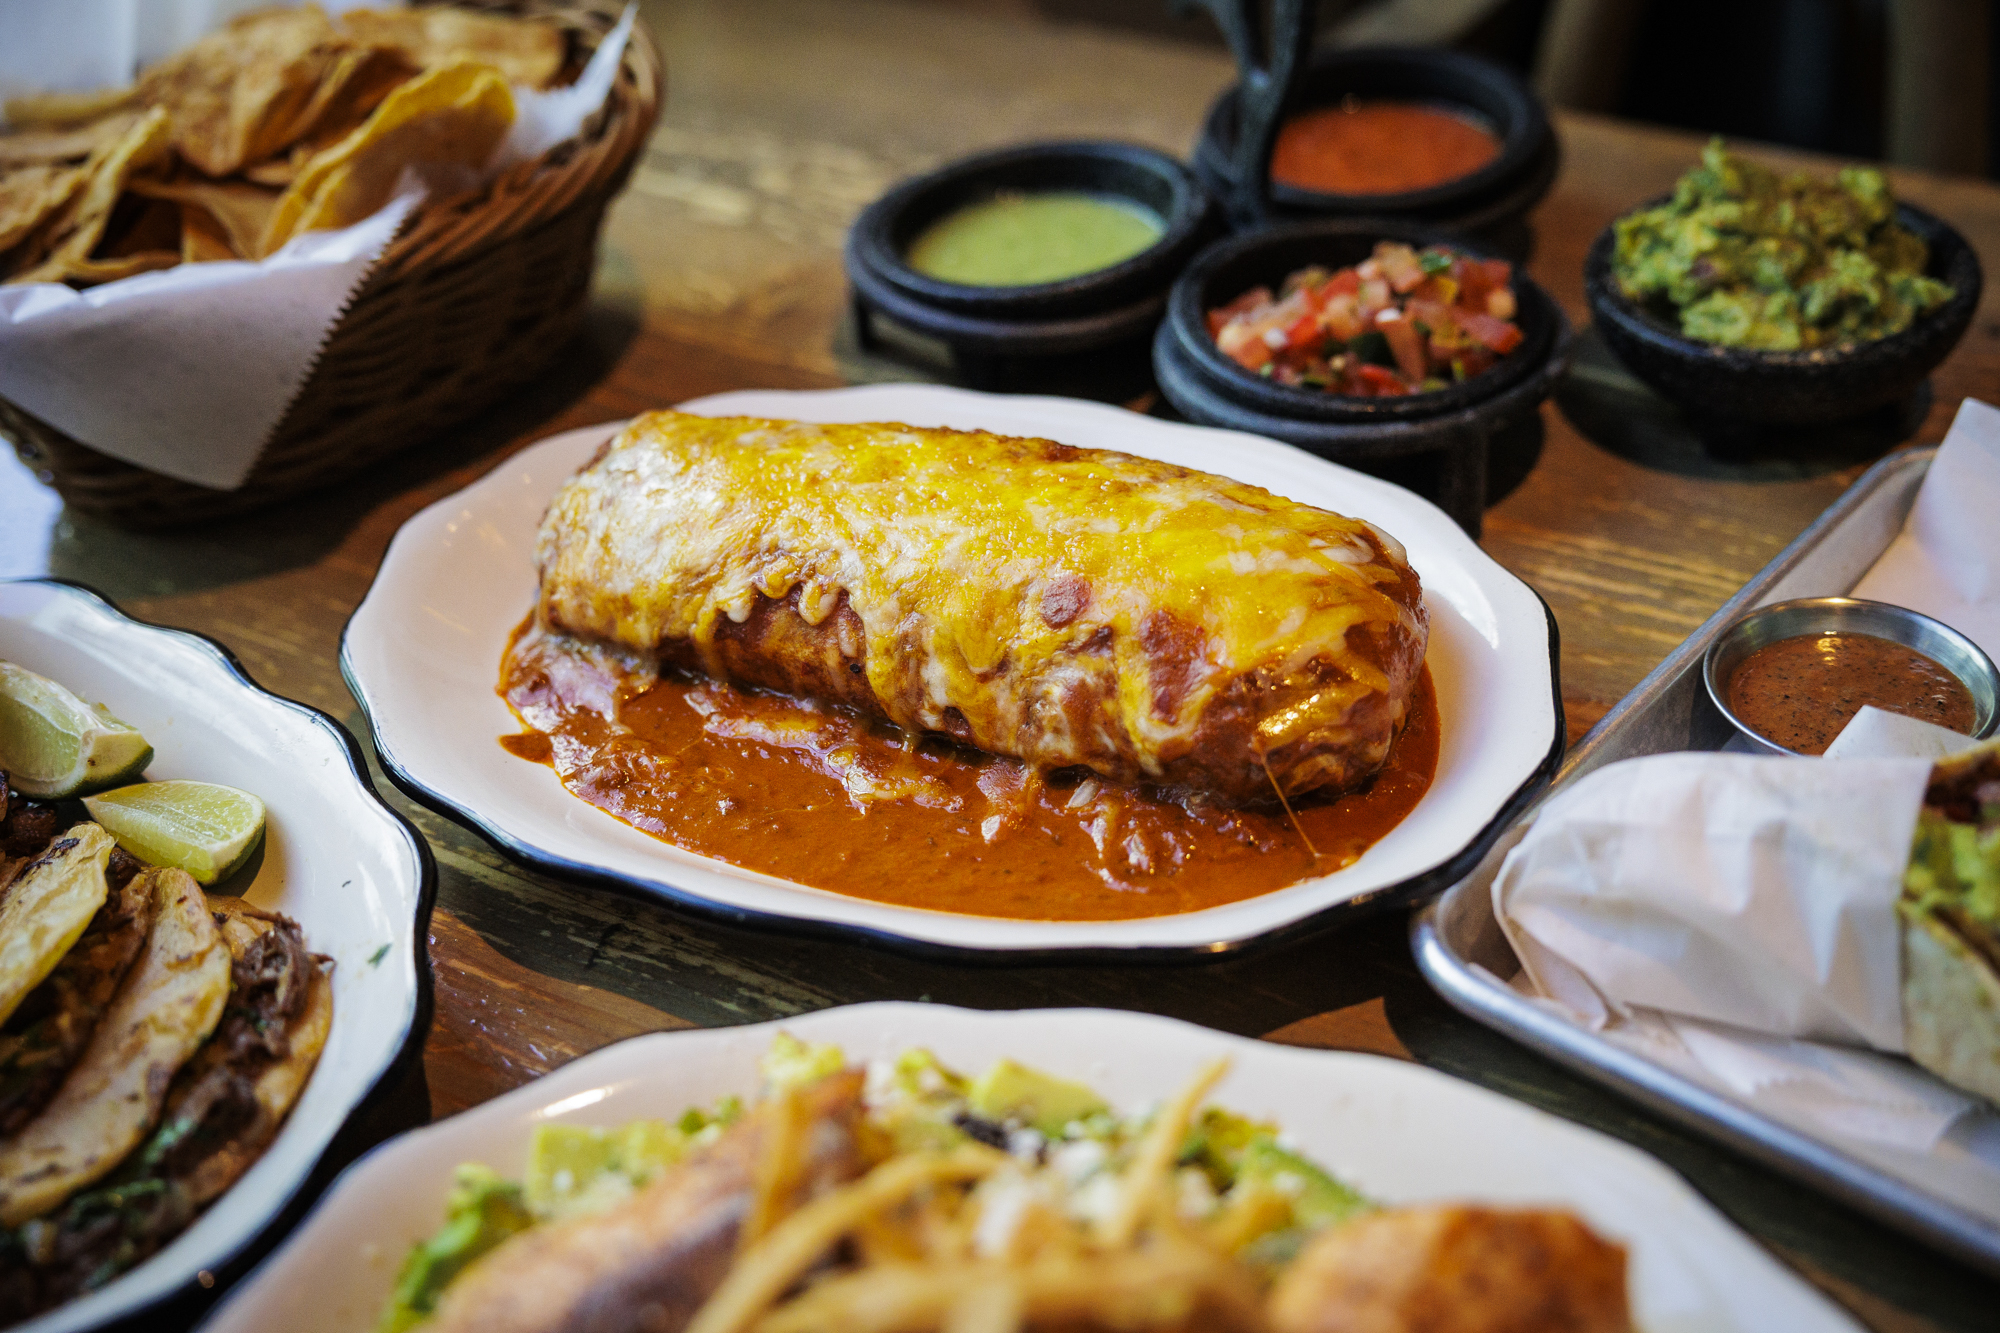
352	872
1398	1131
422	654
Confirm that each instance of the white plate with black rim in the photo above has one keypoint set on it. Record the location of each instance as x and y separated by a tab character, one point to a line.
353	873
1400	1133
422	654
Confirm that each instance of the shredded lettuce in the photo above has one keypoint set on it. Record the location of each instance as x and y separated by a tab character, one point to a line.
482	1211
791	1063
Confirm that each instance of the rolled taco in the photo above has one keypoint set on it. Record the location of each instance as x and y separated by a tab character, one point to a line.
1950	915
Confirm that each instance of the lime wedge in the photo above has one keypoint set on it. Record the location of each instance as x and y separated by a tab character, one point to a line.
203	828
55	746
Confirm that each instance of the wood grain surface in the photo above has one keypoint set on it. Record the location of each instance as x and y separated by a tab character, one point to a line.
720	269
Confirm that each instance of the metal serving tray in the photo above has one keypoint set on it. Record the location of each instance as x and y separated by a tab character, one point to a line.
1949	1197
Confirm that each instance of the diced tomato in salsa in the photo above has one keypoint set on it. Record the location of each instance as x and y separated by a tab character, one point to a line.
1378	381
1397	323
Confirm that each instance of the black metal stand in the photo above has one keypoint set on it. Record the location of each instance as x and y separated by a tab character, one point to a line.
1271	64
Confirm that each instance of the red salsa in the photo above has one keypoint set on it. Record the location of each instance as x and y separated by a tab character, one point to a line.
1401	321
1362	147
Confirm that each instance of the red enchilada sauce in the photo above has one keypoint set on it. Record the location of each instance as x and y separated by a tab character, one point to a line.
1379	148
1800	692
819	795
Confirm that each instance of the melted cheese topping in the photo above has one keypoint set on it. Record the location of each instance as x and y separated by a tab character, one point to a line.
984	570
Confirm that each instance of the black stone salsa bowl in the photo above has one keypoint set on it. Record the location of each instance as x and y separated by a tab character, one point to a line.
1003	333
1813	387
1499	193
1454	426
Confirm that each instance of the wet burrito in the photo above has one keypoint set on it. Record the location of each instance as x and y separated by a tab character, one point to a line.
1063	606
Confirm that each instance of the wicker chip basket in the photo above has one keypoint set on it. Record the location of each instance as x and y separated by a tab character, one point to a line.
475	295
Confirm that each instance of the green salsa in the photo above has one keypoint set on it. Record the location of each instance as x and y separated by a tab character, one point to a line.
1013	240
1749	258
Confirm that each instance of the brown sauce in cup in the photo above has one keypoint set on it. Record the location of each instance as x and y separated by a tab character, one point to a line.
1800	692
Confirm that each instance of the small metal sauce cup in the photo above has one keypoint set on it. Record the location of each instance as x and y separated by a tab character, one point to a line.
1823	615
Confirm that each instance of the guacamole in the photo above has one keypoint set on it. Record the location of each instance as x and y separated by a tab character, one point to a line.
1749	258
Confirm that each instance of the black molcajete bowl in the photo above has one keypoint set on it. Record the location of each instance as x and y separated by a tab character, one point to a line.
1453	427
1728	385
1484	201
1011	336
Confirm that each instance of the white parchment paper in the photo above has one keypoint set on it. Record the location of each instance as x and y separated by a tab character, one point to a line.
1734	915
187	371
1946	561
1752	891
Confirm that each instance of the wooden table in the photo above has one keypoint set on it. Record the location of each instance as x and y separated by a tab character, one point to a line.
721	270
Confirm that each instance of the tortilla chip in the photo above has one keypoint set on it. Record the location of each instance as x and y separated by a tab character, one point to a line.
142	235
248	90
139	224
237	213
72	235
202	238
91	272
274	171
166	1007
525	52
72	144
360	78
41	171
30	195
449	117
44	109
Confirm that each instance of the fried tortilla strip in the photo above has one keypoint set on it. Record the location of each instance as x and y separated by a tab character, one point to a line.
247	90
1455	1269
454	116
49	1032
653	1260
1142	1287
69	239
236	213
47	907
168	1005
526	52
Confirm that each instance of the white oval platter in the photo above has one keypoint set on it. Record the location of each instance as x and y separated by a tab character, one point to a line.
422	653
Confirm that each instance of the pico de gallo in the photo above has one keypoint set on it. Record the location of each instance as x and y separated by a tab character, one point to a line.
1401	321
